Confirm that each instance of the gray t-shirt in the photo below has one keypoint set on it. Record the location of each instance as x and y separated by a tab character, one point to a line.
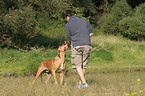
78	31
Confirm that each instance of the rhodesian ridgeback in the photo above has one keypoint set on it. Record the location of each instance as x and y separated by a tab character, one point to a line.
53	65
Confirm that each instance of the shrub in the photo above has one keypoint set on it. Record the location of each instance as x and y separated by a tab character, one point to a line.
121	9
140	12
133	28
109	22
49	9
18	27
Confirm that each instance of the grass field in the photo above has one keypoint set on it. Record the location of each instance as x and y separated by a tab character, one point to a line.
109	54
116	53
100	84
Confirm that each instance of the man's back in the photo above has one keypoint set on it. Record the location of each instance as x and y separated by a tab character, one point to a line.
78	30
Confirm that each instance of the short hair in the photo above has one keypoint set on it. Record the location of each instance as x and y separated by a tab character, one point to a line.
69	13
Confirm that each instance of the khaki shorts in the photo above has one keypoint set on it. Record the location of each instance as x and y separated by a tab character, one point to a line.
80	56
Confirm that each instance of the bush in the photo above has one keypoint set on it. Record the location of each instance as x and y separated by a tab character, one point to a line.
49	9
140	12
134	27
109	22
121	9
18	27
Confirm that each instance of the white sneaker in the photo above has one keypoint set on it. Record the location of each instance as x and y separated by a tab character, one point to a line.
78	85
84	85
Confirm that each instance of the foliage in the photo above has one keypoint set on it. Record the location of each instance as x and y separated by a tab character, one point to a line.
109	22
132	28
122	20
3	8
140	12
49	9
21	20
18	27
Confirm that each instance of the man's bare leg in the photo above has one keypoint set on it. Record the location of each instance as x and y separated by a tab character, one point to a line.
81	74
80	82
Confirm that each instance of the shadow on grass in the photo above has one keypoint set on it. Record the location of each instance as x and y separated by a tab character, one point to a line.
38	41
53	42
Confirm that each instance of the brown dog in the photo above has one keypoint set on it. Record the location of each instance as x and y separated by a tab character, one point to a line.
53	65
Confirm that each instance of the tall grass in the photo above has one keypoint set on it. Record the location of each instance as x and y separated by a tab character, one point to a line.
116	53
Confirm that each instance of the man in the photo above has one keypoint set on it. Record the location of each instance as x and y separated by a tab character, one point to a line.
78	32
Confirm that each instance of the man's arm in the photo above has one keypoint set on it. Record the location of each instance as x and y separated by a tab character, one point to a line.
90	29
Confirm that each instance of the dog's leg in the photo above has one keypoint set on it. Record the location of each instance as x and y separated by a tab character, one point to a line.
62	74
48	77
41	77
53	72
40	69
61	77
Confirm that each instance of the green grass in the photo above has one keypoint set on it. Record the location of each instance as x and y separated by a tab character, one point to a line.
23	62
109	53
116	53
100	84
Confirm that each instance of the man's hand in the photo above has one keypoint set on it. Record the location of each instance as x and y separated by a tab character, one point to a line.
91	34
